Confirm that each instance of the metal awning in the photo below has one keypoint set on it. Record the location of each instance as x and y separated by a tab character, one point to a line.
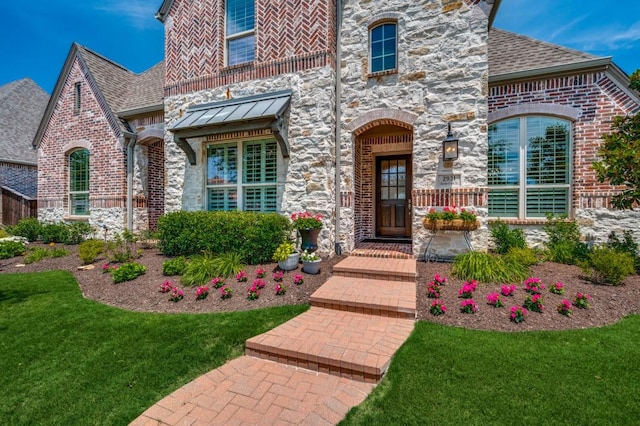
251	113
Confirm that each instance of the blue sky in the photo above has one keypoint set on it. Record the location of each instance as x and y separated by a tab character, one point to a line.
35	36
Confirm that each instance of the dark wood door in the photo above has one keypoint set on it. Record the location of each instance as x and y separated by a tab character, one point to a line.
393	196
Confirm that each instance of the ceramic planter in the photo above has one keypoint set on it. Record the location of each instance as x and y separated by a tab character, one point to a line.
290	263
311	267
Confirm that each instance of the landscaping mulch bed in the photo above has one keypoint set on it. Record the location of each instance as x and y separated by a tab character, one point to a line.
609	303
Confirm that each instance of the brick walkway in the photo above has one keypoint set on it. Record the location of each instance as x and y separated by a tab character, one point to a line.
312	369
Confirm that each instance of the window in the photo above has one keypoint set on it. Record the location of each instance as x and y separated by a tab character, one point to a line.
529	167
77	100
256	189
79	182
240	21
383	47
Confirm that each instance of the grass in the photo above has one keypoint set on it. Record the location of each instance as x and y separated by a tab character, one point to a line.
444	375
68	360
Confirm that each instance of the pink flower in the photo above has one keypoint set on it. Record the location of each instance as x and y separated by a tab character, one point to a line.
278	276
298	279
258	283
261	273
202	293
508	290
166	287
440	279
494	299
467	289
242	277
468	306
280	290
217	282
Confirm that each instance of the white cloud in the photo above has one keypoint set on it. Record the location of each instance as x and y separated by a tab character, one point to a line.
139	12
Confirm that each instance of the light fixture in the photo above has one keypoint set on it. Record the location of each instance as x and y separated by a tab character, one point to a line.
450	147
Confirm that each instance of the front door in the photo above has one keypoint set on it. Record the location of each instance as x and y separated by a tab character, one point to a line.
393	196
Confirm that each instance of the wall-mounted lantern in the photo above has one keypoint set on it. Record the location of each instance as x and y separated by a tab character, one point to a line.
450	147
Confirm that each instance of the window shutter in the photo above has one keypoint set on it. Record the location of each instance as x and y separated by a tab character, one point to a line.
503	202
547	200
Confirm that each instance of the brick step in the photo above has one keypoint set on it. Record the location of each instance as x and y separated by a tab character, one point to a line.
376	268
367	296
347	344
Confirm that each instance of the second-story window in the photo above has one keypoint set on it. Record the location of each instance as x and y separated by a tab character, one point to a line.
240	31
383	47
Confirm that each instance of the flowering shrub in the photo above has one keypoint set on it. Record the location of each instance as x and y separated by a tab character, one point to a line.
557	288
297	279
468	306
440	279
261	273
468	216
105	268
258	283
166	287
581	301
306	220
534	303
253	292
466	292
305	256
437	308
202	293
176	295
278	276
433	290
451	213
280	290
242	277
507	290
495	300
518	314
565	307
217	282
226	292
533	286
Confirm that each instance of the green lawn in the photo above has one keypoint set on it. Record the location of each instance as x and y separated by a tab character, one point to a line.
453	376
71	361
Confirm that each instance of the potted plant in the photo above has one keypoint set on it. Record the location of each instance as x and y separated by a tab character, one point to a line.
450	219
310	262
286	256
308	225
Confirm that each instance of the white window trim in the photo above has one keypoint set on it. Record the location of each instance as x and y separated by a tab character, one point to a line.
239	185
522	176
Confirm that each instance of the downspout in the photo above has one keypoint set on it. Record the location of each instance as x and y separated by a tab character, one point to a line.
338	99
130	139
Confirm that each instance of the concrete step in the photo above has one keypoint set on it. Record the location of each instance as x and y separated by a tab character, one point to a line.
367	296
376	268
348	344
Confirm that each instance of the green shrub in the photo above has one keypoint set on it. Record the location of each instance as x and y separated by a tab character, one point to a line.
9	249
283	251
227	264
254	236
58	252
200	270
524	256
487	268
121	249
608	266
3	233
505	239
77	232
563	240
626	245
175	266
127	272
36	254
29	227
89	250
54	233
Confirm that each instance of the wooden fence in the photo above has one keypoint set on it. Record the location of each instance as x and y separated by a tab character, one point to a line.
16	206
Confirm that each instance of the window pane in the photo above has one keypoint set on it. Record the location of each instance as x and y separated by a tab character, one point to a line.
260	199
79	170
79	204
382	49
503	202
260	162
241	50
547	200
240	16
222	199
504	153
222	162
547	151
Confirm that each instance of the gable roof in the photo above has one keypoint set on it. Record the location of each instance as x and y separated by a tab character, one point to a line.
117	89
22	104
511	53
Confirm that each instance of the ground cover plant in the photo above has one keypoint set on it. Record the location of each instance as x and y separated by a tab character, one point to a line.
82	362
455	376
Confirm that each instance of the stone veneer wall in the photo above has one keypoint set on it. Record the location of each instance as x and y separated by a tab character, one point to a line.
306	179
590	100
441	77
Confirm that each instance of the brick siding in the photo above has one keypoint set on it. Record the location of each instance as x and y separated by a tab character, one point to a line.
155	202
597	98
290	37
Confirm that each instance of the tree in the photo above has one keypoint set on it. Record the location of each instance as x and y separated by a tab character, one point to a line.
620	156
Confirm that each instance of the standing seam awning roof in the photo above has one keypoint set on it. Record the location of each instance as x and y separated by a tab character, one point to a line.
252	112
